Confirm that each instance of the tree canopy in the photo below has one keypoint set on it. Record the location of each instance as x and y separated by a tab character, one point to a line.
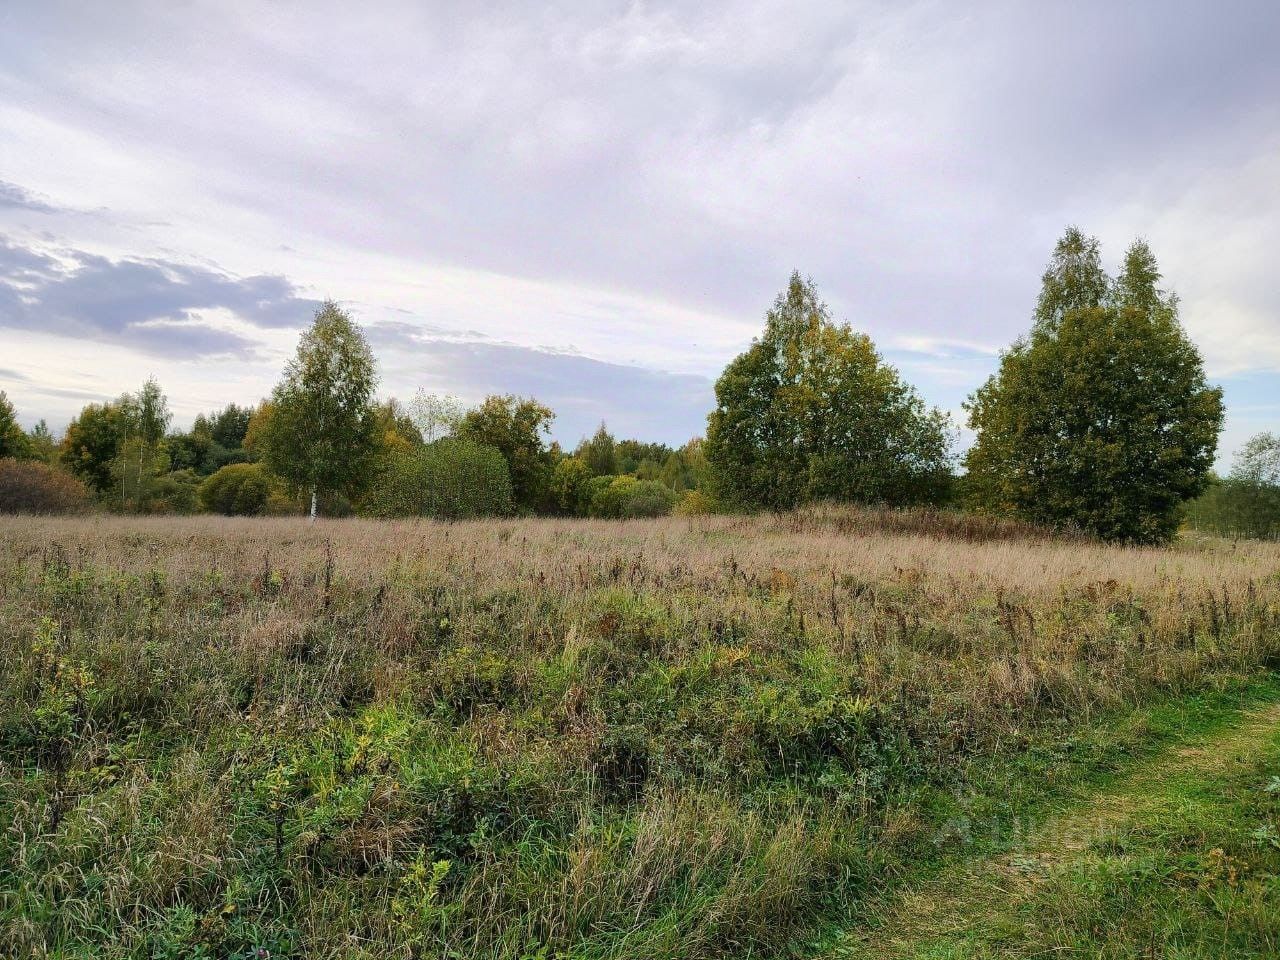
1259	461
141	456
516	427
1074	280
90	443
13	439
811	412
214	441
1247	502
1101	418
435	415
600	453
450	479
322	433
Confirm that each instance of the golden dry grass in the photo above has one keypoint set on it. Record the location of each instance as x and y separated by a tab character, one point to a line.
805	546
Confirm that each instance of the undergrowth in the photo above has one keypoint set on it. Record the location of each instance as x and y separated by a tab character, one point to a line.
678	738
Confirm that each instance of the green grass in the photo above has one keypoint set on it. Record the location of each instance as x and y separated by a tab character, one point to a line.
567	740
1005	799
1059	770
1184	863
1199	876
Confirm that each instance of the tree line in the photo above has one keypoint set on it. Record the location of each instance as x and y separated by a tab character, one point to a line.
322	443
1099	419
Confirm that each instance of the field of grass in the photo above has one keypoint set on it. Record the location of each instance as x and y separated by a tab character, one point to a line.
1192	872
690	737
1176	855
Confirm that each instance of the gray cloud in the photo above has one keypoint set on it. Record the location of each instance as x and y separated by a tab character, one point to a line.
917	159
22	264
149	304
14	196
905	155
69	393
885	148
636	402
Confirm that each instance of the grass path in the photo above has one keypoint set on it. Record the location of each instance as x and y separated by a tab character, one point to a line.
977	908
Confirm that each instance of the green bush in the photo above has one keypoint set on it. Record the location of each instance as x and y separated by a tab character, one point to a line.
240	489
626	497
175	492
450	479
32	487
569	490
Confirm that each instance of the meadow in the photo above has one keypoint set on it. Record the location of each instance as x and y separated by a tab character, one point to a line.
683	737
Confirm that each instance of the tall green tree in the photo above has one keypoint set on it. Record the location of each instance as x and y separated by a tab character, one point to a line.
600	452
320	435
1101	418
141	458
13	439
228	426
137	468
1074	280
41	444
518	429
91	442
146	413
811	411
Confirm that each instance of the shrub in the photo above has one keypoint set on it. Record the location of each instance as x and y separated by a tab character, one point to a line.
450	479
175	492
569	492
240	489
626	497
32	487
695	503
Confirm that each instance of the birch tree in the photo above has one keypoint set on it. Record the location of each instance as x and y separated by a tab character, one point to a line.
321	436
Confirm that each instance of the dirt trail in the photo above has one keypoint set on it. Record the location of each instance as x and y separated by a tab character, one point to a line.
960	897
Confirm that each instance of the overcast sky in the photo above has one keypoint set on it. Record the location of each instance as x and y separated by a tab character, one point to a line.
595	204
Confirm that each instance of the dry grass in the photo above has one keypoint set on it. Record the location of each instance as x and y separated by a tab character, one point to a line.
678	737
870	544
